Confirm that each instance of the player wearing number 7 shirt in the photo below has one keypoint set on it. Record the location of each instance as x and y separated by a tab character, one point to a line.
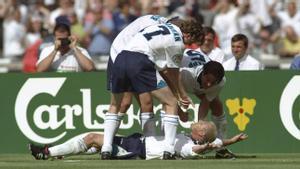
158	47
146	111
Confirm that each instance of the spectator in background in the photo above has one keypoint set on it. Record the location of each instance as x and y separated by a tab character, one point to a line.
207	10
3	11
248	23
289	44
34	27
122	16
65	7
290	16
77	28
33	40
208	47
80	8
99	31
225	24
64	55
14	34
39	9
241	60
295	65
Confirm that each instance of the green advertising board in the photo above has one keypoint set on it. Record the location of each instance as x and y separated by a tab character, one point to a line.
49	108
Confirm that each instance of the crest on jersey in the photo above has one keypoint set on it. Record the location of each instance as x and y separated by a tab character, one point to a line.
241	112
177	59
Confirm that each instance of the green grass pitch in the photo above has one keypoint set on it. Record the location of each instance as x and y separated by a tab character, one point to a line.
246	161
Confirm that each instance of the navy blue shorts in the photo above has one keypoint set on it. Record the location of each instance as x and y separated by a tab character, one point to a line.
133	144
132	72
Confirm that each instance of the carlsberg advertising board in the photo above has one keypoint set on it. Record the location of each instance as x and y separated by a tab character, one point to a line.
50	108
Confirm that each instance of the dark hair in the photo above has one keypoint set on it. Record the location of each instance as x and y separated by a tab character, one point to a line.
193	28
214	68
62	21
240	37
209	30
123	3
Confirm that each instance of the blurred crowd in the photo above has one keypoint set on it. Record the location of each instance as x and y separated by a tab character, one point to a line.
272	26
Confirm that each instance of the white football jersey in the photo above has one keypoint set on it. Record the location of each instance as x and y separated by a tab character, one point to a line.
191	67
216	54
183	146
162	43
133	28
63	63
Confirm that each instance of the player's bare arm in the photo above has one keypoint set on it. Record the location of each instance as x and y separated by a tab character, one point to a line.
235	139
203	107
199	149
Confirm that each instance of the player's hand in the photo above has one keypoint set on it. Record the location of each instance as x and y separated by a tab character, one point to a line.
239	137
184	103
207	147
183	116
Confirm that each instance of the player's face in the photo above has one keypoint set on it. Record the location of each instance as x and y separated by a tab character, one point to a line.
198	135
208	80
238	49
187	38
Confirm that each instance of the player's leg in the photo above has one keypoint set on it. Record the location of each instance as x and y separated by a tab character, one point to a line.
119	84
75	145
125	105
162	115
148	121
146	114
126	101
165	96
144	80
218	117
111	124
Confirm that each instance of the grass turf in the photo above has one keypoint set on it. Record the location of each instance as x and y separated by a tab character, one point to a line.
261	161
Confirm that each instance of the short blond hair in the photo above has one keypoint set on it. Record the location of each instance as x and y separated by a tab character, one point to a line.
209	129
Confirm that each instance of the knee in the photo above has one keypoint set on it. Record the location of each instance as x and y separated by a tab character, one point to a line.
124	106
170	106
91	139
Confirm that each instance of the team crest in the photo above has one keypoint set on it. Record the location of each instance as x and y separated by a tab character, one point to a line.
241	113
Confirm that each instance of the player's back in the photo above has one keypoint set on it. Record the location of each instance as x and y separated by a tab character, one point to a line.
133	28
193	61
162	43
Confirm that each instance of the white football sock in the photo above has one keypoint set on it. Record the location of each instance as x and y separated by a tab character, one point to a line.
170	127
71	147
162	115
111	125
120	118
221	124
148	123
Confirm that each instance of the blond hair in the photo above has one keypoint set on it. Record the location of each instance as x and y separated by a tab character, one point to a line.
209	129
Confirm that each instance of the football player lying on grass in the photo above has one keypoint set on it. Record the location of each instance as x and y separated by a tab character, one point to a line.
201	140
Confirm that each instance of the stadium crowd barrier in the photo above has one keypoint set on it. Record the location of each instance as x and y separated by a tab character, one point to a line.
49	108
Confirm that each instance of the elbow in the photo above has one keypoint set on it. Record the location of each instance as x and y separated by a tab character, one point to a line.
89	68
39	69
